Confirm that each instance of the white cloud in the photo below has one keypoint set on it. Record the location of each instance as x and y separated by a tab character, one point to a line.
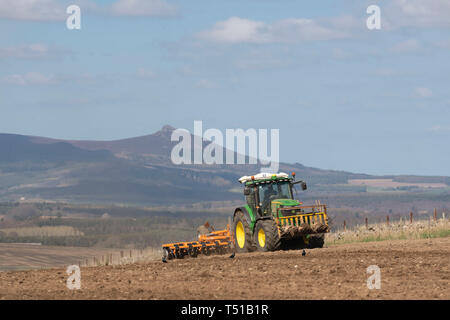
33	10
54	10
235	30
392	72
144	8
29	78
439	128
347	22
206	84
339	53
424	92
186	70
146	73
410	45
385	72
36	50
82	78
239	30
258	59
443	44
422	13
294	30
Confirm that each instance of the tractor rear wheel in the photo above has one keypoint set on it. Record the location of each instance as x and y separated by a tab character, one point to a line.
266	236
242	233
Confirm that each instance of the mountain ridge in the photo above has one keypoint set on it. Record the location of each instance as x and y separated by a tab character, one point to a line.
135	170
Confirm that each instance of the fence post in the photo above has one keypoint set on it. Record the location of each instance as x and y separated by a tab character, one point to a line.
435	214
345	226
387	220
410	217
367	223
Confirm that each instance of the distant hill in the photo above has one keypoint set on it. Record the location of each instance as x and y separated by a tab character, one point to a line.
136	171
153	146
15	148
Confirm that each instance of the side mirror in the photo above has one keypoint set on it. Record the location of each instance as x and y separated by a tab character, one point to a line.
247	191
302	184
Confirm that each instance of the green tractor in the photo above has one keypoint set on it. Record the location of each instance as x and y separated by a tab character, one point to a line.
273	220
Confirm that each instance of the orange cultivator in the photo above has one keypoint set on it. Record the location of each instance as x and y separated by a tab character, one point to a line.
218	242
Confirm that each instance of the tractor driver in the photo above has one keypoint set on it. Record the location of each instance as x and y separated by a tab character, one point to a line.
268	192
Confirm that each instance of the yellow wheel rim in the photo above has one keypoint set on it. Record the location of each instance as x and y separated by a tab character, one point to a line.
240	234
261	238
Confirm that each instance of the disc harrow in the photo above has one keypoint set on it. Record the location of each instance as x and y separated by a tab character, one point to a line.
215	242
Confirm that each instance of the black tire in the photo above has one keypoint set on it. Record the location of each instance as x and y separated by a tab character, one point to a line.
179	255
192	252
316	241
167	255
205	250
269	229
245	245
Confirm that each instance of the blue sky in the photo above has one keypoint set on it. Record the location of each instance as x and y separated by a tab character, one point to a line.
344	97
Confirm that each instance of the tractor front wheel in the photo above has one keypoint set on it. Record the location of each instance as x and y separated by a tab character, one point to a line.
266	235
242	233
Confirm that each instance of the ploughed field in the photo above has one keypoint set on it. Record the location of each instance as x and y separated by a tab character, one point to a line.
410	269
14	256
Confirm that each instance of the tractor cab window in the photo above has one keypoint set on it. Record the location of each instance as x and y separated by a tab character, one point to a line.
251	201
270	191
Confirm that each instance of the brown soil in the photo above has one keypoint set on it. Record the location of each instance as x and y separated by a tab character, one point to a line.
28	257
413	269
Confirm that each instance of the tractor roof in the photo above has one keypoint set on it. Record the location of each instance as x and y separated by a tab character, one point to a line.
262	181
264	178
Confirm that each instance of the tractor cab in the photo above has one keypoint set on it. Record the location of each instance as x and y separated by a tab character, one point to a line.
263	190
